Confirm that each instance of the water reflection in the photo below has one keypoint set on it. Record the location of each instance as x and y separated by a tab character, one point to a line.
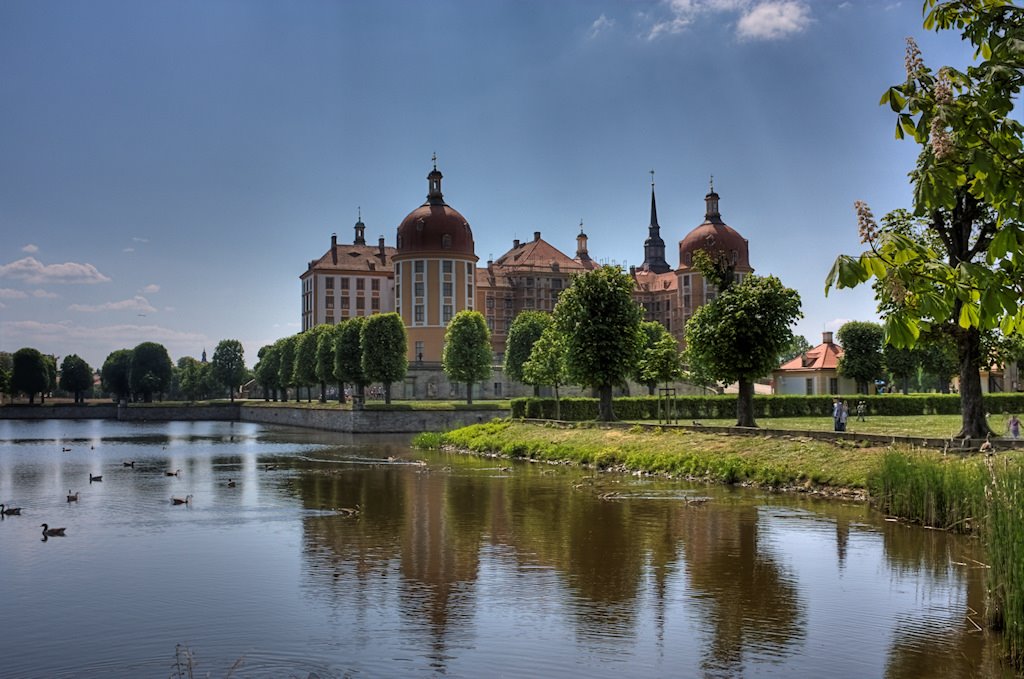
458	565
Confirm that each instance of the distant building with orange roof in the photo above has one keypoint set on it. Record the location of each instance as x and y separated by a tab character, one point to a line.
814	372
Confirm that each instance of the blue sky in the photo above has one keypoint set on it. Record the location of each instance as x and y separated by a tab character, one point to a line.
169	168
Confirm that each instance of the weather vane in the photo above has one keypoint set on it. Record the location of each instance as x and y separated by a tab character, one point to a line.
652	179
434	158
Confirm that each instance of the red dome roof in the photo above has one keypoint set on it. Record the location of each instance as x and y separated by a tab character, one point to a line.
435	226
715	236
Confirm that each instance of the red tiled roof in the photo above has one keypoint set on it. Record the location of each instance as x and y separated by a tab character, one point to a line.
825	356
354	258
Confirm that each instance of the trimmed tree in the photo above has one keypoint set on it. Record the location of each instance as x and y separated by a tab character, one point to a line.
325	360
600	323
862	358
305	361
29	374
151	370
115	374
286	365
739	335
195	379
75	377
384	346
266	370
901	364
526	329
466	356
228	364
546	365
348	357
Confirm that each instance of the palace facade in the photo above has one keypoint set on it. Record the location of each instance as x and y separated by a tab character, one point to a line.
432	273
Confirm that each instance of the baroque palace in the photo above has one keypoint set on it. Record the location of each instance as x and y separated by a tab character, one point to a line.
433	272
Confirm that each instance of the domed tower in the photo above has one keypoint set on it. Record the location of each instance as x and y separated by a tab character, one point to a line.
721	242
435	271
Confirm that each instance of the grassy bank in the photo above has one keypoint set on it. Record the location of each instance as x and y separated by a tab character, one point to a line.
925	426
772	462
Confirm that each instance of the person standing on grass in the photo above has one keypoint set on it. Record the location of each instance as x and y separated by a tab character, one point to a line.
837	408
844	415
1013	426
862	409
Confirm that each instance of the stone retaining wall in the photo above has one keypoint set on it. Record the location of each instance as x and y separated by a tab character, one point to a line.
369	421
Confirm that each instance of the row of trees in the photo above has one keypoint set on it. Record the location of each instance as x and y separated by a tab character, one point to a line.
28	371
146	371
359	351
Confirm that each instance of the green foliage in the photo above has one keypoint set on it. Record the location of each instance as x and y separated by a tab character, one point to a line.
304	371
740	334
466	356
798	346
267	369
660	360
29	373
968	184
901	364
75	377
348	353
325	348
228	364
115	373
151	370
599	322
862	358
195	379
384	350
286	363
525	331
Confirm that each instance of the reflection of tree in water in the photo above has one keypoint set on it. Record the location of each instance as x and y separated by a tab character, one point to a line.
945	644
752	604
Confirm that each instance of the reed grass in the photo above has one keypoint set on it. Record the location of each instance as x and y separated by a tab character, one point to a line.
1003	535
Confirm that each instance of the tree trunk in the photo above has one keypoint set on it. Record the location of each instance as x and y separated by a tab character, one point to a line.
536	391
650	388
558	406
387	393
469	393
972	404
745	404
231	391
341	392
906	384
323	392
605	412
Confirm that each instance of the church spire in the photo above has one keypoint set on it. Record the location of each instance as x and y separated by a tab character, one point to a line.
654	246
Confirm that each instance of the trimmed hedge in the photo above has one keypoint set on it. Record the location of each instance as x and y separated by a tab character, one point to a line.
717	407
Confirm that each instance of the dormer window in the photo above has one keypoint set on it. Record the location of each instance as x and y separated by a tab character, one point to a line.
446	241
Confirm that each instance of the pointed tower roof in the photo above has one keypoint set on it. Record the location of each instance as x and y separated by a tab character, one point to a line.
654	246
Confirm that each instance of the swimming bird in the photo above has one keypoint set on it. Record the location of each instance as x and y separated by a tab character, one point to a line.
65	450
174	473
9	511
270	467
181	500
231	484
349	511
52	532
95	478
129	464
72	498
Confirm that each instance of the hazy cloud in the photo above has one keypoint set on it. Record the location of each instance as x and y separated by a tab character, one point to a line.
8	293
137	303
32	270
140	240
128	250
94	343
150	289
774	20
44	294
31	249
600	25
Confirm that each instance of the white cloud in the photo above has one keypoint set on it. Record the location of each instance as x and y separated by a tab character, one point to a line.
774	20
32	270
95	343
600	25
2	305
44	294
758	19
140	240
128	250
137	303
31	249
8	293
150	289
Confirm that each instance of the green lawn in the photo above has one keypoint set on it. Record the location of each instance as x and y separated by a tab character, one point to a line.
931	426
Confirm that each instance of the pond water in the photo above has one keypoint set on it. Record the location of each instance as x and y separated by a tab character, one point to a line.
454	565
